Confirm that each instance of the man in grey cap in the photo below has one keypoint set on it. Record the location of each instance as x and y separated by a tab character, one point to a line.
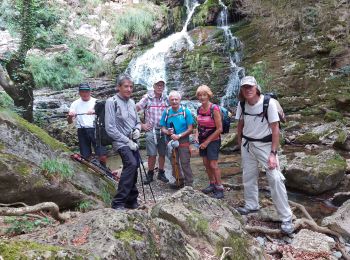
258	136
153	105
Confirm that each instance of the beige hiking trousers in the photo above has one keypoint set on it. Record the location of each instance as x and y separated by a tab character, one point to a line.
253	154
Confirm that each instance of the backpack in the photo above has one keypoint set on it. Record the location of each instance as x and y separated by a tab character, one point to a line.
266	102
101	135
225	117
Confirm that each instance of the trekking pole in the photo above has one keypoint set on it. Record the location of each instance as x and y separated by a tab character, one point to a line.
144	170
176	167
143	186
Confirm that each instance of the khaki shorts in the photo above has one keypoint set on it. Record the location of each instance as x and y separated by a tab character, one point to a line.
152	147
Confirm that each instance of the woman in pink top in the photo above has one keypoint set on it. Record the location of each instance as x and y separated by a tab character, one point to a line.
209	130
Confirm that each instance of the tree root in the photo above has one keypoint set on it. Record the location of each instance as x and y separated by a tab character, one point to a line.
47	206
303	210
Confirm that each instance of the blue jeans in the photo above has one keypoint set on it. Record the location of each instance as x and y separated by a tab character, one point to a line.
87	141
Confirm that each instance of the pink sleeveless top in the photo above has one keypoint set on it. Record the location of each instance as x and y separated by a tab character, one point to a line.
205	120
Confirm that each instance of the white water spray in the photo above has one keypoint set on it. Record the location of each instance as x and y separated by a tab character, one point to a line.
150	66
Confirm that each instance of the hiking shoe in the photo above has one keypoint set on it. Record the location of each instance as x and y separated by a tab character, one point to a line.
149	178
287	227
209	189
119	207
161	176
175	186
134	205
245	211
218	194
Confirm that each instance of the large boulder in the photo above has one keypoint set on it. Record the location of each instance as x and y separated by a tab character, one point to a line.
340	221
310	241
24	148
187	225
314	174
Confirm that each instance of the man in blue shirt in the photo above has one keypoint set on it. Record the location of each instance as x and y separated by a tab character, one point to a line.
177	123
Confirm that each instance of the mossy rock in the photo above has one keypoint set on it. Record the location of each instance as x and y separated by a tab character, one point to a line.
308	138
315	174
342	142
206	13
332	116
342	102
32	250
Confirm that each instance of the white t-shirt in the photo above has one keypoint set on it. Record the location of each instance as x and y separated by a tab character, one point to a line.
253	127
80	107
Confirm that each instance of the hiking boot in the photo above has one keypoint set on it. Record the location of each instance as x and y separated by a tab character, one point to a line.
149	177
176	186
161	176
245	211
119	208
218	194
287	227
134	205
209	189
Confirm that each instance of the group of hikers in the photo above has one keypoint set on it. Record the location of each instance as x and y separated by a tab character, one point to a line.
168	125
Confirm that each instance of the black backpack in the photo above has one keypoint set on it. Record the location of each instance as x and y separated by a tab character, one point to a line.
101	135
266	102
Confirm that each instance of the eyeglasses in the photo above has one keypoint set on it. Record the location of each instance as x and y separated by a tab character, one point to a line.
159	85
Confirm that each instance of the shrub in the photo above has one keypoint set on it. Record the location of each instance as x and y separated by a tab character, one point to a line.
259	71
57	168
135	24
65	69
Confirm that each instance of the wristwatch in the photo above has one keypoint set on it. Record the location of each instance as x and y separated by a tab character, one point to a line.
180	135
274	152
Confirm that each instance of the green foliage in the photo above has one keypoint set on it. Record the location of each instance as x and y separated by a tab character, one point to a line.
84	205
25	224
106	196
6	101
65	69
260	71
239	247
135	24
57	168
128	235
44	21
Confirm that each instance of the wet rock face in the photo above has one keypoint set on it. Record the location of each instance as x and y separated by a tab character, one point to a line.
315	174
204	64
23	149
339	221
179	227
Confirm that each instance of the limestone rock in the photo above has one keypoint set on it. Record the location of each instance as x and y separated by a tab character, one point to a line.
187	225
311	241
23	148
340	221
314	174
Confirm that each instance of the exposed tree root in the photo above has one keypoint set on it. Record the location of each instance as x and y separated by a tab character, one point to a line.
308	223
47	206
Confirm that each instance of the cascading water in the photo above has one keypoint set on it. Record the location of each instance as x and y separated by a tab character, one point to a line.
152	64
233	46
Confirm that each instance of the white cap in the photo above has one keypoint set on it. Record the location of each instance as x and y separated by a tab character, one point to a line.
251	81
159	80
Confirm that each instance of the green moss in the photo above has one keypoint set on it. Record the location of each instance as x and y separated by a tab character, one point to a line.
19	249
209	6
23	169
198	223
331	116
40	133
308	138
239	247
2	146
341	139
128	235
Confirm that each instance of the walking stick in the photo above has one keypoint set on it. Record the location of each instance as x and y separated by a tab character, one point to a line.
176	167
144	170
143	186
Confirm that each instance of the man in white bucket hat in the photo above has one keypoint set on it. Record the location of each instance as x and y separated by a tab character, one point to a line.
258	136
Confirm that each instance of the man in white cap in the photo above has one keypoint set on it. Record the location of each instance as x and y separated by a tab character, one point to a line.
258	136
153	105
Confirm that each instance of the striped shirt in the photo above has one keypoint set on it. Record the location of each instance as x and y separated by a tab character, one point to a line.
153	108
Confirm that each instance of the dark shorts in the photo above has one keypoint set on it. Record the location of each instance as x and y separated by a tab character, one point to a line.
212	150
87	141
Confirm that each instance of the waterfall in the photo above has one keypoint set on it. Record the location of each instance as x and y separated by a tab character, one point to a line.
151	65
233	46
